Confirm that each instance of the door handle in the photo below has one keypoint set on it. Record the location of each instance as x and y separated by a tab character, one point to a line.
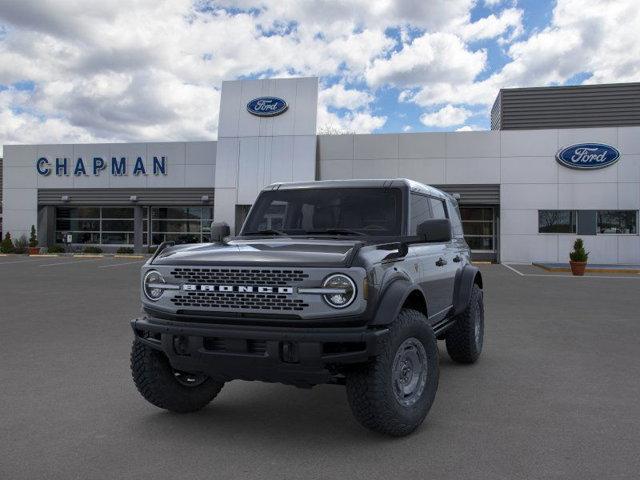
441	262
457	258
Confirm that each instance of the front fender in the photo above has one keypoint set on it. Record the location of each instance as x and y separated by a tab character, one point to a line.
392	299
465	278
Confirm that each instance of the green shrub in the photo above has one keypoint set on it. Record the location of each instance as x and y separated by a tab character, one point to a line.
153	249
7	244
33	239
579	254
124	250
56	249
92	249
21	244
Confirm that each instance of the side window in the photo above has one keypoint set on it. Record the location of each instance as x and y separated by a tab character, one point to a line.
454	216
419	212
437	207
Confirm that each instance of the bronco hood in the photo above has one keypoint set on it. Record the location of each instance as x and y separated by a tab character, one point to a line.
263	252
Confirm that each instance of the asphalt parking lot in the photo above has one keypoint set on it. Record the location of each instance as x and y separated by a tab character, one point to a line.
555	394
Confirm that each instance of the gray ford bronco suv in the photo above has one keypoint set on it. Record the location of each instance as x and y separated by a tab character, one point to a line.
343	282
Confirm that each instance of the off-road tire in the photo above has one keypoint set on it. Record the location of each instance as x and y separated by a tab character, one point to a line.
156	382
463	346
370	388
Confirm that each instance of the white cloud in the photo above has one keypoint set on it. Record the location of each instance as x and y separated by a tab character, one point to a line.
151	69
509	20
432	57
447	116
338	96
583	37
351	122
492	3
469	128
407	128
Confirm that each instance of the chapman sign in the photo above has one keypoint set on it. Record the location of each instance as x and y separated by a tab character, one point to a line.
267	106
96	165
588	156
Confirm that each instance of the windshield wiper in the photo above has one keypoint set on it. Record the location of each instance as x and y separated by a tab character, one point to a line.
336	231
267	231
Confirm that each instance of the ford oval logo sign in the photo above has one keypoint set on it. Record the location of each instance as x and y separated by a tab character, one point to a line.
588	156
267	106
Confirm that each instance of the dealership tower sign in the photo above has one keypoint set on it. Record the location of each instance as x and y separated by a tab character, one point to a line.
267	106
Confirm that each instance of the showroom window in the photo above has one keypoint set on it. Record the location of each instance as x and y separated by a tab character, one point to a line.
479	228
180	224
618	222
95	225
557	221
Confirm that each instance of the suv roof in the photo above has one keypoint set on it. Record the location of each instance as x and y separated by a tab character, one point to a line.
363	183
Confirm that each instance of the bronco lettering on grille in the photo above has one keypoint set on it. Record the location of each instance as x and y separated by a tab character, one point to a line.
237	289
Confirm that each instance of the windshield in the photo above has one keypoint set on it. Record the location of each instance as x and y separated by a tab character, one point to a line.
329	211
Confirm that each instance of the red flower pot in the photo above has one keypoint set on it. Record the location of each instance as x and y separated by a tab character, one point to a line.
578	268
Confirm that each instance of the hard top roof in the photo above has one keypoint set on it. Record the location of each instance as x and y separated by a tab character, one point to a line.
360	183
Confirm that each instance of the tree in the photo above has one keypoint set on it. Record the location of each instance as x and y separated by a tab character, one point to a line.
33	239
7	244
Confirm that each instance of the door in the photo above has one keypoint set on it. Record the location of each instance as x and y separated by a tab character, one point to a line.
448	260
480	231
436	273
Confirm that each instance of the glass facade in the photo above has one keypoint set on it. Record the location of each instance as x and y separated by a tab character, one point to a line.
478	224
557	221
618	221
115	225
180	224
95	225
588	222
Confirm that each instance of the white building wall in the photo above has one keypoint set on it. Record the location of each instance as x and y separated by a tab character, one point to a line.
523	163
256	151
189	165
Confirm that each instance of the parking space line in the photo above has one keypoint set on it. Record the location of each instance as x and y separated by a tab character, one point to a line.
566	276
21	261
70	263
513	269
120	264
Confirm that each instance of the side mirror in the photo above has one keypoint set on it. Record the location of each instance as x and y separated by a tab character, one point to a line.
219	230
435	230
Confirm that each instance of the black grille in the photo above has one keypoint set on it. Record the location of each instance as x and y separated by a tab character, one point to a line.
217	344
238	301
239	276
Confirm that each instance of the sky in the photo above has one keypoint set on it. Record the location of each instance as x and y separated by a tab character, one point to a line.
77	71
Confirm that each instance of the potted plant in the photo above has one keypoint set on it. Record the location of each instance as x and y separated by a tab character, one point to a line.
33	242
21	245
578	258
7	244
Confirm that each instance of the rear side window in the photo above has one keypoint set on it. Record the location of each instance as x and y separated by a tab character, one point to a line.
420	212
454	216
437	208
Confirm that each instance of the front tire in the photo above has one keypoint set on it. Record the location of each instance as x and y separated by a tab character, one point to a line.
166	388
394	392
466	337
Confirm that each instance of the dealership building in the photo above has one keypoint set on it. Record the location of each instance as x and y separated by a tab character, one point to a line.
559	162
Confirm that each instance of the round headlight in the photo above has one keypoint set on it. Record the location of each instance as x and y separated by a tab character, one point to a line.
344	290
152	285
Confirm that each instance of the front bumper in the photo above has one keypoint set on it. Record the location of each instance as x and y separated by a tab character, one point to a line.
293	355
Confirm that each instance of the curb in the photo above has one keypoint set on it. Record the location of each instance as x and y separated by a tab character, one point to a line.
128	256
589	270
87	255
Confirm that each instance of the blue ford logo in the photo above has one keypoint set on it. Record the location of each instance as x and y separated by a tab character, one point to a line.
267	106
588	156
